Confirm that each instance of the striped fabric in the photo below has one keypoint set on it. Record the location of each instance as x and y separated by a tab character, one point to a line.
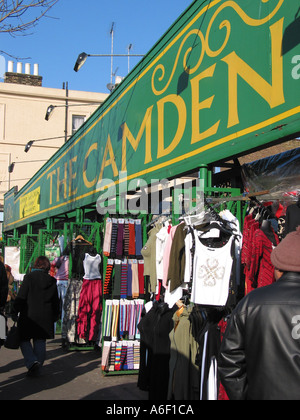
121	318
118	356
107	288
130	355
121	355
129	281
107	317
131	239
135	279
114	237
124	280
123	363
105	355
120	238
136	355
107	237
115	319
112	357
126	238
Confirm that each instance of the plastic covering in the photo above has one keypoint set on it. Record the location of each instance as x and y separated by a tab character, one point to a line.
278	174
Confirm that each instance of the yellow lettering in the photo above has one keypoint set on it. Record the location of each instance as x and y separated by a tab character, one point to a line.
50	175
108	162
89	184
62	182
71	177
274	93
181	109
146	126
197	106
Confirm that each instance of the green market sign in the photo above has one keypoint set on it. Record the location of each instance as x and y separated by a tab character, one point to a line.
222	81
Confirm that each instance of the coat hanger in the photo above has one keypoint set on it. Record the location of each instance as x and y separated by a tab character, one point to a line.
81	238
219	226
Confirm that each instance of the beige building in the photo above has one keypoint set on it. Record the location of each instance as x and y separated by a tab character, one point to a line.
23	106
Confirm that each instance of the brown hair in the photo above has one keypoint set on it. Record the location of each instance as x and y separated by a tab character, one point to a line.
42	263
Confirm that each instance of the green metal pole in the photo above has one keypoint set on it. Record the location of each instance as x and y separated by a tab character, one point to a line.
203	174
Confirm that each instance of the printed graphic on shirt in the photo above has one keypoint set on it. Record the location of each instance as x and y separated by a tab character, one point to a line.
211	272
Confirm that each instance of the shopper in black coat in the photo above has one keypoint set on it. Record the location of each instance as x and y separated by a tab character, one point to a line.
260	351
38	306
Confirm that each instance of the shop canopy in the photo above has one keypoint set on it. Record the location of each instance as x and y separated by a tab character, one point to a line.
222	81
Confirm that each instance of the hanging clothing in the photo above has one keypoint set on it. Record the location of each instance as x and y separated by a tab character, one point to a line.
91	265
78	250
138	239
292	220
154	328
212	272
62	287
107	237
184	378
262	269
149	254
177	257
62	266
161	239
89	310
71	305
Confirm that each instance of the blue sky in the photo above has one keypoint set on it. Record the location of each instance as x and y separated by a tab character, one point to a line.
84	26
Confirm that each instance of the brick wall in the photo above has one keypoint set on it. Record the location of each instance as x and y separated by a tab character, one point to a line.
23	79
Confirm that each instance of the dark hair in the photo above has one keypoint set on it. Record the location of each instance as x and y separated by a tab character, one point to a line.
42	263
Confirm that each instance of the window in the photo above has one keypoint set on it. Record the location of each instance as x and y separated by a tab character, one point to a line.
77	121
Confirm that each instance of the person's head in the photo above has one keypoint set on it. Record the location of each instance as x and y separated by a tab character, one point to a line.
286	256
42	263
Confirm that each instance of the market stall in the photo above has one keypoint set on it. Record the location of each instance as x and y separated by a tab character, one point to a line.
158	252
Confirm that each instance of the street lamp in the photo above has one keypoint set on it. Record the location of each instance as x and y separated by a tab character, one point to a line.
30	143
51	108
80	61
12	165
83	56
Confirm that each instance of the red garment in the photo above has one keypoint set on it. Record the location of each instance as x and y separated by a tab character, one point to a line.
89	310
131	250
250	227
141	278
262	269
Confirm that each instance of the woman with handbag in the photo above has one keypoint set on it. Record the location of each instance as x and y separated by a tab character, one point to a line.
37	304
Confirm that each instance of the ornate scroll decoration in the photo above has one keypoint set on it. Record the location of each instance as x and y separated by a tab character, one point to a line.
205	48
161	67
226	24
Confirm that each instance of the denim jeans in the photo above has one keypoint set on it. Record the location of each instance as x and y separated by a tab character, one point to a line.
33	353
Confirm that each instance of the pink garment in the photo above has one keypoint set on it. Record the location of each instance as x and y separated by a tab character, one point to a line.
107	238
166	257
62	272
90	309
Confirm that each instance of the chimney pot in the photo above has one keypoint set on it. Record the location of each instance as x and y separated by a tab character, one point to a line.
19	67
10	66
27	68
36	69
